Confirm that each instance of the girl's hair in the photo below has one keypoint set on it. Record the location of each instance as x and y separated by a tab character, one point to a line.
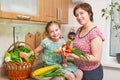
85	6
51	23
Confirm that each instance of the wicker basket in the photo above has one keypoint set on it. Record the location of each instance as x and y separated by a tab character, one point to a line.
19	70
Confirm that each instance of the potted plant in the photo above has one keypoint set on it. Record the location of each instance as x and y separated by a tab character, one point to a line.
110	12
113	12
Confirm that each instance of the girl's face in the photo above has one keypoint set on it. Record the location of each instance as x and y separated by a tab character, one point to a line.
82	16
54	32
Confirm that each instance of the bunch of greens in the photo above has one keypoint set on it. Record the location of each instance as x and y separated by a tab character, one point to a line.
52	73
15	53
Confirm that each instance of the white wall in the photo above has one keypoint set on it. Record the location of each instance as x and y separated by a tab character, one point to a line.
6	33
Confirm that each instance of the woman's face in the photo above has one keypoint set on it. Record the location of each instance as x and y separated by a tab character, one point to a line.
54	32
82	16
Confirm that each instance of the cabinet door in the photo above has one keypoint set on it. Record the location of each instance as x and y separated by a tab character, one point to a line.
55	10
0	14
21	9
64	13
48	10
62	6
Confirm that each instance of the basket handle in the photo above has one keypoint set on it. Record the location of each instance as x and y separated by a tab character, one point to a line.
19	42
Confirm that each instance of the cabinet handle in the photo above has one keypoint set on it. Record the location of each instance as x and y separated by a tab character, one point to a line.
23	17
58	14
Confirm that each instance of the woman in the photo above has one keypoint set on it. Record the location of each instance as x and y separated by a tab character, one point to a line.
89	40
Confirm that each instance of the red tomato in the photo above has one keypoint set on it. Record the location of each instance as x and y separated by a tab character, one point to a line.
69	51
65	47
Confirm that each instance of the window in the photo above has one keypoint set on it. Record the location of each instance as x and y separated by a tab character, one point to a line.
114	39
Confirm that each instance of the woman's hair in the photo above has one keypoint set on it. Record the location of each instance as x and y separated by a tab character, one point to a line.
85	6
51	23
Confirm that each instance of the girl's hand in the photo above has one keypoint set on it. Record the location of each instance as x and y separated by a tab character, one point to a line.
31	53
24	55
27	54
64	65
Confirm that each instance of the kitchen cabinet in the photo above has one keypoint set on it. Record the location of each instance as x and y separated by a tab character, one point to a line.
55	10
48	10
35	10
62	6
21	9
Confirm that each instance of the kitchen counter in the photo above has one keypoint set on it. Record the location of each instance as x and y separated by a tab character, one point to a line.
3	74
4	78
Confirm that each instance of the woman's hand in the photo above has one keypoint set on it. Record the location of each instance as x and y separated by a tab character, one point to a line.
72	55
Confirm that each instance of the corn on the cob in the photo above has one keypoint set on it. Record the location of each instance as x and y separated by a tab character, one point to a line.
43	70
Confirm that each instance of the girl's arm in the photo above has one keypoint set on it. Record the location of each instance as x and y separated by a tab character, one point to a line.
25	55
38	49
64	59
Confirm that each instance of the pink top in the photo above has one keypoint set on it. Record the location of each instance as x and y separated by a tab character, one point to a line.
83	44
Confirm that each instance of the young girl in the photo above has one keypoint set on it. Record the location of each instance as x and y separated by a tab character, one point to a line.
50	44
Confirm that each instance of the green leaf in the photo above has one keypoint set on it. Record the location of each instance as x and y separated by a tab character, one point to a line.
79	53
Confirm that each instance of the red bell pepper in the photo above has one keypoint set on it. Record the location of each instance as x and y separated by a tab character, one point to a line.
65	47
68	51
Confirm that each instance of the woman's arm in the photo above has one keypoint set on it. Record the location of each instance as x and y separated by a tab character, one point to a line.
96	50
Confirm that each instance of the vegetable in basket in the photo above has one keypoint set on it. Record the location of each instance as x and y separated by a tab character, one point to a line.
43	70
17	67
14	54
7	56
52	73
24	56
48	72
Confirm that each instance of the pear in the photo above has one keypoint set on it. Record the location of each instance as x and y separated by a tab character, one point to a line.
7	54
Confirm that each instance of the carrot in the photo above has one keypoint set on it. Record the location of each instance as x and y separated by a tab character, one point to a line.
24	56
57	51
69	51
